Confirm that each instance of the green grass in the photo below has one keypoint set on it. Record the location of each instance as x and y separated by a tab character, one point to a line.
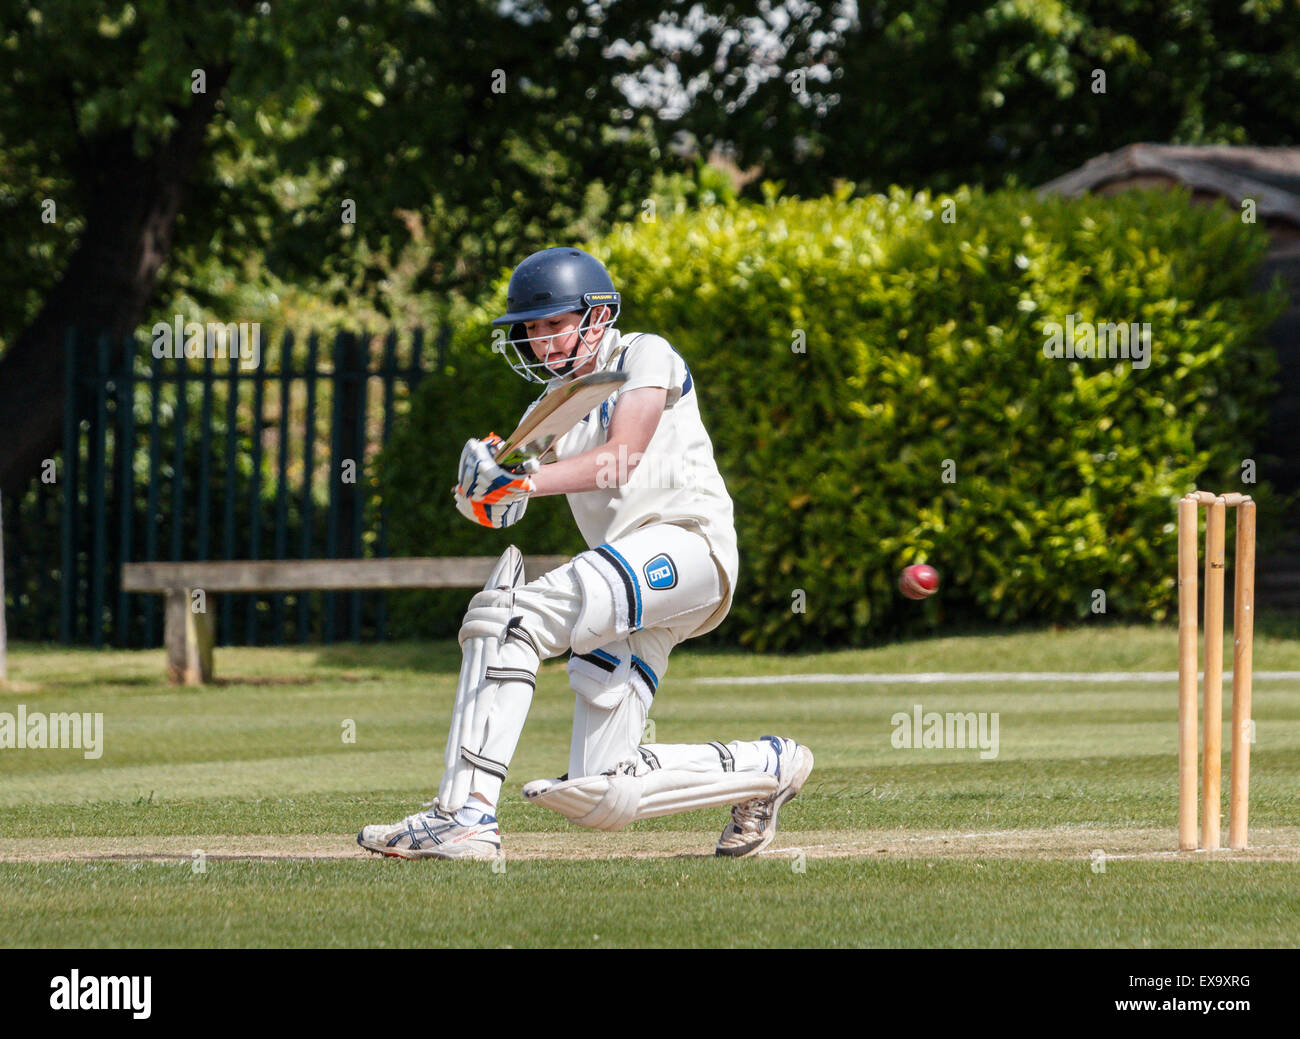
262	754
707	902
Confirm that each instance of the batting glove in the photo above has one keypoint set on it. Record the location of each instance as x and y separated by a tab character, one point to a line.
487	493
494	516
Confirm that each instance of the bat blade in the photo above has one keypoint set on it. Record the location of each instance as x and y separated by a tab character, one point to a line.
557	413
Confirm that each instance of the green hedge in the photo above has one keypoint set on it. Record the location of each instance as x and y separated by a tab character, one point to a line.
920	420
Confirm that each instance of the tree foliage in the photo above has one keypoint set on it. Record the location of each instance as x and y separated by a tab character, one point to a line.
497	124
944	92
467	134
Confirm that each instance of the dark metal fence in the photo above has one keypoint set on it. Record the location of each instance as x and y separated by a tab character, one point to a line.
169	459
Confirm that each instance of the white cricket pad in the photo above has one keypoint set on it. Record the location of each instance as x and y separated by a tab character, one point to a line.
497	676
610	802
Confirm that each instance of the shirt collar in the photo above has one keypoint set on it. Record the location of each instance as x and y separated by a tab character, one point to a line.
609	345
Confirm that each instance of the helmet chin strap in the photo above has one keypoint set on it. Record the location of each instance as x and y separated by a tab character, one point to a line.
574	360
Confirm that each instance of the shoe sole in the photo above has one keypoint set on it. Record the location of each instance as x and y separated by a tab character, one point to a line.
442	851
804	757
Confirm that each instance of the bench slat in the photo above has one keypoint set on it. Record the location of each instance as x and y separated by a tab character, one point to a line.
290	575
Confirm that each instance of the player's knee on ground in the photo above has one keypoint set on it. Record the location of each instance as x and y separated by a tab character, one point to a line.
613	689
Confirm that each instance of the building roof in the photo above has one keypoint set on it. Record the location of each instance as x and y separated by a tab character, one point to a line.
1270	176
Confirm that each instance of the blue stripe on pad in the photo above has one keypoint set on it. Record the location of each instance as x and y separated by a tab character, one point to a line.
636	586
647	670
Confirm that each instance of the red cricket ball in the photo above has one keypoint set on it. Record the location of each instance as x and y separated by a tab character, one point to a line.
918	581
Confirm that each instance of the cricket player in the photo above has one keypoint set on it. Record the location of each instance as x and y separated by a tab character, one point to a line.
639	475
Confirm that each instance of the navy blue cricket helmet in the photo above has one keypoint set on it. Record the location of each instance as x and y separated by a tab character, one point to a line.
550	282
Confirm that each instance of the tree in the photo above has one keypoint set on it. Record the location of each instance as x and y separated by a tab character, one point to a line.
943	92
503	127
160	129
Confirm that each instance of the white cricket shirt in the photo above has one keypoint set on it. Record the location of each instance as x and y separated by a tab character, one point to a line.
677	480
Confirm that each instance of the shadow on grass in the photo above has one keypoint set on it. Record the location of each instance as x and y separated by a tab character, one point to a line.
438	657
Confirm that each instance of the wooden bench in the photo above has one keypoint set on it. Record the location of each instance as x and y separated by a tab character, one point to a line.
189	636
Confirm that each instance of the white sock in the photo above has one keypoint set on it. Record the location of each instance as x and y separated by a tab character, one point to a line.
474	811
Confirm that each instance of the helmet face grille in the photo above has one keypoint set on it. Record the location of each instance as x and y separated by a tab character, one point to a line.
551	282
526	362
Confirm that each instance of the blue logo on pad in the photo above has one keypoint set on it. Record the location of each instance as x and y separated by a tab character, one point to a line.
660	573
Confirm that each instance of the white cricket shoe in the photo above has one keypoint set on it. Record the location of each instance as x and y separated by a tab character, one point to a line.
753	823
433	834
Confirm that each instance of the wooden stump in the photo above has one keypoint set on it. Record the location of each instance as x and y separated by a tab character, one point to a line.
189	638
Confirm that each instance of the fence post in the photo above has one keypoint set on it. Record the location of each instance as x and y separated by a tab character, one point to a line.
4	634
68	519
354	409
226	629
329	602
388	371
96	479
281	546
255	492
125	486
347	444
180	420
205	457
151	495
308	475
417	360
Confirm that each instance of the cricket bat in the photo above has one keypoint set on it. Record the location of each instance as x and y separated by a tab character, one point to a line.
557	413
